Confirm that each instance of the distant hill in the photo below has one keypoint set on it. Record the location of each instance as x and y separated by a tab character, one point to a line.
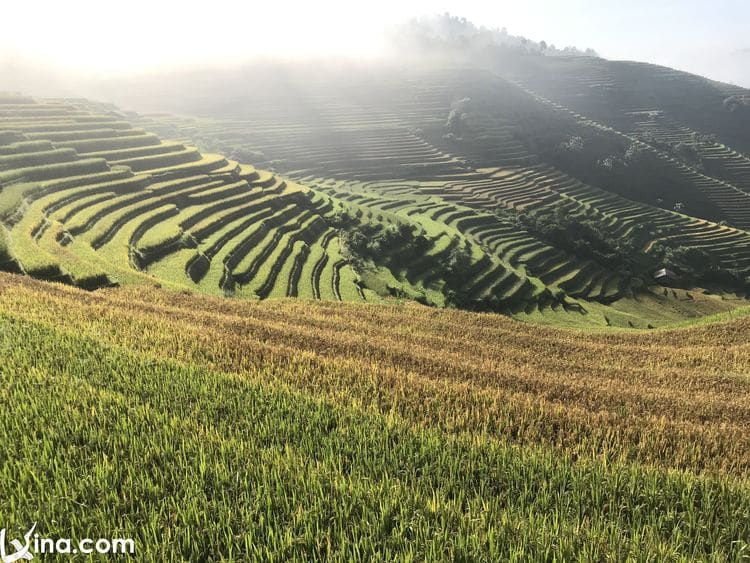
453	36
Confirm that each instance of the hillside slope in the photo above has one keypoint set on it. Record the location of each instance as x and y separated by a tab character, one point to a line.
396	190
691	133
488	154
684	136
206	428
90	200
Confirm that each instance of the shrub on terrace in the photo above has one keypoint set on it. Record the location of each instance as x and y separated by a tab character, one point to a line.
456	123
583	236
573	144
400	246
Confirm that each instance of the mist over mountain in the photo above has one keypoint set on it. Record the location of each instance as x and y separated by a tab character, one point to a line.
440	35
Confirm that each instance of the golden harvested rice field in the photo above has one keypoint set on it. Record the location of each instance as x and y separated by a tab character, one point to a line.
208	428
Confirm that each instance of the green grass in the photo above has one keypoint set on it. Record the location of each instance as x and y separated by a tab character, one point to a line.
24	248
207	163
118	248
652	309
317	253
5	253
282	286
135	152
53	171
158	236
160	161
25	147
347	285
110	144
271	265
33	159
12	196
327	289
85	272
211	282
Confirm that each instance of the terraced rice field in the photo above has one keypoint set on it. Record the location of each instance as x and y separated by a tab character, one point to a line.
98	202
94	197
206	428
90	200
459	186
646	110
253	378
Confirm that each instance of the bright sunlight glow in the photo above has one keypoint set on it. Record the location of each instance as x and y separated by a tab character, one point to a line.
107	37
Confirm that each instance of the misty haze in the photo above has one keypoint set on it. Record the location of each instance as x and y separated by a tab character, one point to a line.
407	281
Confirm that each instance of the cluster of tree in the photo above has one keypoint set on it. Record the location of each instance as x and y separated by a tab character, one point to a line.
697	266
244	155
451	33
399	246
688	152
402	243
372	242
582	234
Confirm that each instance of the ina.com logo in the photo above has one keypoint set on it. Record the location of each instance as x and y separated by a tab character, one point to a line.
34	544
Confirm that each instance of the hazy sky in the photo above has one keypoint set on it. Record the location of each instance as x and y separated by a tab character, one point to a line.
707	37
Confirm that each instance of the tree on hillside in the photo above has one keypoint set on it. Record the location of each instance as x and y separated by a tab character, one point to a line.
736	103
455	124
